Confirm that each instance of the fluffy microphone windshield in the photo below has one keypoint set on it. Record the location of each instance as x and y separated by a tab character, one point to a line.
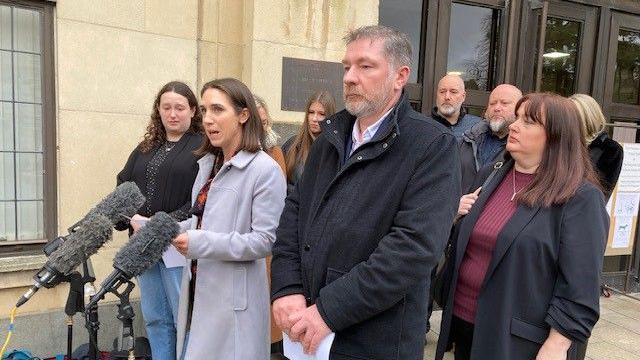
146	246
80	245
125	200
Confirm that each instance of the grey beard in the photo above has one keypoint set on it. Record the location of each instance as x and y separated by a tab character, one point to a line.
361	109
497	126
447	110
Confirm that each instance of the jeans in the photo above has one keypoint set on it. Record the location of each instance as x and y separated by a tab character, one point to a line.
159	297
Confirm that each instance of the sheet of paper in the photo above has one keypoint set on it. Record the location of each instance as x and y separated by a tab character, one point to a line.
626	204
294	351
629	180
172	258
622	232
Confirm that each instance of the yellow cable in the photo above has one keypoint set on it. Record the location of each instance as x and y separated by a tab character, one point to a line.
6	342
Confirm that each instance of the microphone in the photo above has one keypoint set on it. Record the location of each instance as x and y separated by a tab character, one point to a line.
143	250
122	203
79	246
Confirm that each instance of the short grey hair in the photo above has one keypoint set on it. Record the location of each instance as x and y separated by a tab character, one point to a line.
396	45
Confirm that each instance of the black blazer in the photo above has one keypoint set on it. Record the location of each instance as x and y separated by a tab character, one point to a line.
175	177
544	273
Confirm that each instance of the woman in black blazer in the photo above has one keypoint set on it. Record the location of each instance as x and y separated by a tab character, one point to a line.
164	168
527	257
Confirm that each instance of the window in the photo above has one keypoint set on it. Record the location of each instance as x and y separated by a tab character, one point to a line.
560	57
473	38
626	85
25	192
405	16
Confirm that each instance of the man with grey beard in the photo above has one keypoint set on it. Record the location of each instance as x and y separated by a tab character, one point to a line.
448	111
484	143
369	218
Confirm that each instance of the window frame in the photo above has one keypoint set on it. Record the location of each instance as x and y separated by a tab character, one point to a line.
49	146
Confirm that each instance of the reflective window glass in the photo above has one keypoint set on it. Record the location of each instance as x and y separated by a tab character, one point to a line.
560	56
626	85
405	16
473	38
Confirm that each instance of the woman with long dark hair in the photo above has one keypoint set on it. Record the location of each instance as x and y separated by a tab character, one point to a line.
526	258
320	106
164	167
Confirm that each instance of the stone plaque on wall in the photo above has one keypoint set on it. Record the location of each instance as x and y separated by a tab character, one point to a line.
301	78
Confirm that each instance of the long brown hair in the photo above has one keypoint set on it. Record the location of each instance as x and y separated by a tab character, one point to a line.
241	98
156	133
565	161
299	149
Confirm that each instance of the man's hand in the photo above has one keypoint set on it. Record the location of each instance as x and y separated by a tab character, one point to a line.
309	328
285	306
181	243
467	201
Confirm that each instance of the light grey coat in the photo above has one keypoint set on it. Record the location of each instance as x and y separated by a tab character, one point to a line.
231	305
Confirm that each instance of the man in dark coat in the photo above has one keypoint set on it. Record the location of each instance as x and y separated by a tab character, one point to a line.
370	216
484	143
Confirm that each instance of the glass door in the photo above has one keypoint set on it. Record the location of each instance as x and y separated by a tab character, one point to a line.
560	47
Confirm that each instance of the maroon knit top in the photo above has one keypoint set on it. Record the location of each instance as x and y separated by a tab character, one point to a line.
497	212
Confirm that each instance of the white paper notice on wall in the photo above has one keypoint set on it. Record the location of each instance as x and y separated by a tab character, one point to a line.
622	232
629	180
294	350
626	204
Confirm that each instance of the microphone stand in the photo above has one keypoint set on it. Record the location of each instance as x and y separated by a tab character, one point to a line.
75	304
125	315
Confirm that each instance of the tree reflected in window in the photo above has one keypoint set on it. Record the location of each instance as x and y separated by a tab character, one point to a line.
626	86
473	39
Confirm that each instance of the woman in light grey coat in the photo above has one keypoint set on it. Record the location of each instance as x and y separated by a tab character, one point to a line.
237	199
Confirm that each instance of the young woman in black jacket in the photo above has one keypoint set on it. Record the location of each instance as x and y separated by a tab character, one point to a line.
164	168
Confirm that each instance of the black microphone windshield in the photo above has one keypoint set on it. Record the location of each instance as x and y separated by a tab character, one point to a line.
125	200
80	245
146	246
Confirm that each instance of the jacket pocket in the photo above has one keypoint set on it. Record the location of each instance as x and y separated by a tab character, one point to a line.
240	289
529	331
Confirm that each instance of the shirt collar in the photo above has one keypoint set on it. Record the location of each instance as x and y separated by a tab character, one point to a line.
369	132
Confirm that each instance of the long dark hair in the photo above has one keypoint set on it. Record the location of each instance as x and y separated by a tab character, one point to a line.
156	133
241	98
565	161
299	149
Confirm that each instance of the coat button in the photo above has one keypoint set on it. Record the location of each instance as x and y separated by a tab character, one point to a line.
359	158
335	132
384	146
394	135
307	247
328	121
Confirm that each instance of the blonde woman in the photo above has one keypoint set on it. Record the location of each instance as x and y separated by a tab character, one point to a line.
606	154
